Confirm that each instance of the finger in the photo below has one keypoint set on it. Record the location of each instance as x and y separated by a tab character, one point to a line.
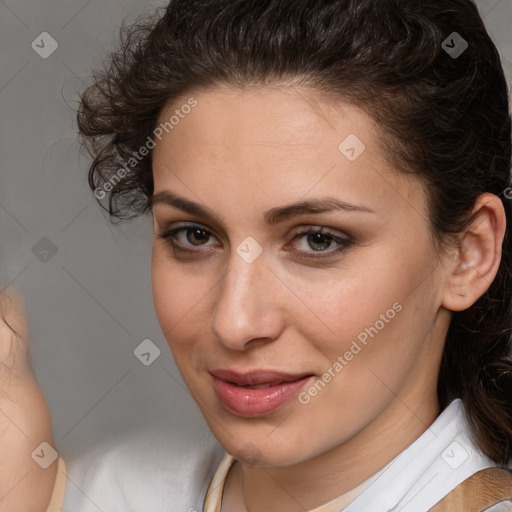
14	332
13	311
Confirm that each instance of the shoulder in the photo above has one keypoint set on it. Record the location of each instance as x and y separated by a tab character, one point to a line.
488	489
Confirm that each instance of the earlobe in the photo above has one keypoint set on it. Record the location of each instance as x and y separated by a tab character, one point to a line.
478	256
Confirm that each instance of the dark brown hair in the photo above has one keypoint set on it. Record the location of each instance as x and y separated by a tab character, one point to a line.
444	118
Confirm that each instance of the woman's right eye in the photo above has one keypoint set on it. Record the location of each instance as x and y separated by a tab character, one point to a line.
184	238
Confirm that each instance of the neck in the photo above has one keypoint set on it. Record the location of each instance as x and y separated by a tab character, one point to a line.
312	483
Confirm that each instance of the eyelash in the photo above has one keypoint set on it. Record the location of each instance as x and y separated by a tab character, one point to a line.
344	243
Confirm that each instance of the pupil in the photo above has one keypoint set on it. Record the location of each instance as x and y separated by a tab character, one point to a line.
319	239
195	235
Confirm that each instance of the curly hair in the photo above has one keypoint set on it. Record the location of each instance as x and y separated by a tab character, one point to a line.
442	117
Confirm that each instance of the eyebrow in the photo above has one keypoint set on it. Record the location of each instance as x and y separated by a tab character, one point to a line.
272	216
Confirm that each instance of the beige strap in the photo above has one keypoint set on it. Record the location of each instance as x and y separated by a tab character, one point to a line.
478	492
57	498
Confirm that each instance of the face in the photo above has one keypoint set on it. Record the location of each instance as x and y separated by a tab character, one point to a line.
292	341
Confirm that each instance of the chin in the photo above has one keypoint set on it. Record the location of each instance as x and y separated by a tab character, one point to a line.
256	453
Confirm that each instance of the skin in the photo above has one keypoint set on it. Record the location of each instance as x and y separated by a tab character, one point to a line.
239	153
24	419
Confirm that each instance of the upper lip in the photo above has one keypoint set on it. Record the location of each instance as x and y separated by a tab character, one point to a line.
255	377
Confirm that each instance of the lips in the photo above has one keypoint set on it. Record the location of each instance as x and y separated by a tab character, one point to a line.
257	392
256	378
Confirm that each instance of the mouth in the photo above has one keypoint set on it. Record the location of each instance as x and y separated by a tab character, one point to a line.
256	393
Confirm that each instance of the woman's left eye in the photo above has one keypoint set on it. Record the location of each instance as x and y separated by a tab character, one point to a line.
322	242
312	240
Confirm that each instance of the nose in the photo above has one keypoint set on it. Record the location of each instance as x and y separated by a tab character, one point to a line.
248	308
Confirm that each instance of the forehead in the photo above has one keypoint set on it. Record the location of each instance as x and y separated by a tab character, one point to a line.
274	142
276	116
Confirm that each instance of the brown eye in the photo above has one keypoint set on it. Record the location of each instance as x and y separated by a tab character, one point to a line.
184	238
197	236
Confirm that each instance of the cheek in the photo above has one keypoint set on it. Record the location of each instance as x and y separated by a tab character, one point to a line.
347	306
174	295
181	297
377	319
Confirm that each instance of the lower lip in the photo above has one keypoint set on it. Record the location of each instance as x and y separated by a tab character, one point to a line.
256	402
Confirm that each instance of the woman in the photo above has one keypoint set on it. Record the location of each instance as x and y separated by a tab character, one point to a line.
331	261
332	252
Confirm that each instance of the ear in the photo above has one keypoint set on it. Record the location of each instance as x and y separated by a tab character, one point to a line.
478	256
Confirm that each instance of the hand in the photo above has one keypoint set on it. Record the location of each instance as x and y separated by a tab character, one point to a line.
24	416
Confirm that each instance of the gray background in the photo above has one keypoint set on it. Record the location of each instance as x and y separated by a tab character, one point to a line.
90	303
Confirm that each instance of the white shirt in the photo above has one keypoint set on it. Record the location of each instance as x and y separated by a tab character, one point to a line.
165	475
153	470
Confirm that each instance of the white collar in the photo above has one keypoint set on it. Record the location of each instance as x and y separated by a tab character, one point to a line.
428	469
